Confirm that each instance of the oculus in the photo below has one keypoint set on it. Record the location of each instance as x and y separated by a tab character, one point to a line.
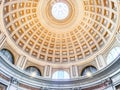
60	11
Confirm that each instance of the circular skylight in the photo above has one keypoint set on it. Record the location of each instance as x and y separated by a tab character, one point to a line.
60	11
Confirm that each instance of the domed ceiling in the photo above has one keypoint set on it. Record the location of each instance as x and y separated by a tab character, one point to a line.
60	31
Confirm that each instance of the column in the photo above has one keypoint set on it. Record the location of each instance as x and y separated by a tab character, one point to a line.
21	62
47	71
100	61
74	71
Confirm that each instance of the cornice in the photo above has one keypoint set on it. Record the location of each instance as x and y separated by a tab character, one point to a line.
83	82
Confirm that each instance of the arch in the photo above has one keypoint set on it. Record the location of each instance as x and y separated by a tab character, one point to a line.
114	53
8	54
88	69
34	71
60	74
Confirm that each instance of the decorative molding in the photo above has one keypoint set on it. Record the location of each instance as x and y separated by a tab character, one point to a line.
83	82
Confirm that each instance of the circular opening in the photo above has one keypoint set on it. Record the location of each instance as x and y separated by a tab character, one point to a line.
60	11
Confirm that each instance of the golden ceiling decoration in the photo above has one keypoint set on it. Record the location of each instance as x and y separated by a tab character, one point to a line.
88	27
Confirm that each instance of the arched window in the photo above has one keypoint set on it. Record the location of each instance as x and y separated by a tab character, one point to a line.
87	71
8	55
115	52
34	71
61	74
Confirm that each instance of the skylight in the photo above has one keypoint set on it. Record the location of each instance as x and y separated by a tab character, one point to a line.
60	11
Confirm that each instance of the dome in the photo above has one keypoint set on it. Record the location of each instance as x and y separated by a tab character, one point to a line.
83	30
60	44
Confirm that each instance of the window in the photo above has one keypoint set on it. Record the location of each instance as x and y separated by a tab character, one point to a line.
113	54
60	11
33	71
87	71
61	74
9	56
